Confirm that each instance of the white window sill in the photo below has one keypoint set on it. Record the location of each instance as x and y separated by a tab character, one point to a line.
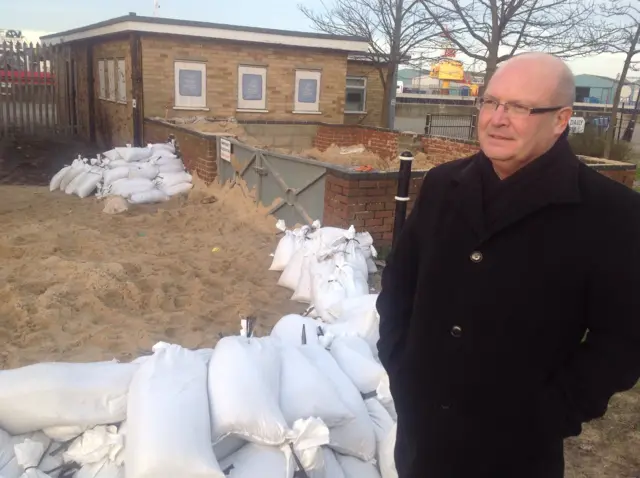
190	108
250	110
355	112
307	112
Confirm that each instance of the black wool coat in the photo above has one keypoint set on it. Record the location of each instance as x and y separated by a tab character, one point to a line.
485	302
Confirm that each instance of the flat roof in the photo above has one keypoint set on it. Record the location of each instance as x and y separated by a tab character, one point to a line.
135	23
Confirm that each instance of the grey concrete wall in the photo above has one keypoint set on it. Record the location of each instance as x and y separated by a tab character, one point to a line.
412	116
291	136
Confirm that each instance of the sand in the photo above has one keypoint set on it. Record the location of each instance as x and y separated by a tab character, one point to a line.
77	284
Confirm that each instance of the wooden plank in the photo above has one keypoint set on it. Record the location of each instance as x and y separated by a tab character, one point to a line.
28	87
4	99
91	94
39	89
46	50
137	98
20	60
14	94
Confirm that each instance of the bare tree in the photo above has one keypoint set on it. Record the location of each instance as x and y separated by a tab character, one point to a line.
492	31
623	25
395	29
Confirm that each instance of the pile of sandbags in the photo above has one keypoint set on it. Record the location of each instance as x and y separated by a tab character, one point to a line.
269	407
324	265
140	175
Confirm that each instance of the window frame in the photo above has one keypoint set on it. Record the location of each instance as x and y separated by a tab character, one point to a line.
121	83
259	106
102	77
183	102
111	79
360	88
304	107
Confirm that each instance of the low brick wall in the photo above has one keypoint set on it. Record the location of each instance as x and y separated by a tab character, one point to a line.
441	150
198	150
380	141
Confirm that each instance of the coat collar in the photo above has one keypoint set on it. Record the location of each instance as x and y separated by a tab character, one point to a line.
550	179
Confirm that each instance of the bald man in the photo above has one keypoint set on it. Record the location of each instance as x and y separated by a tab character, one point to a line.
506	261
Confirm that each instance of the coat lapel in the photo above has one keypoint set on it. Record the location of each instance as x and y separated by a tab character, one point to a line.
554	180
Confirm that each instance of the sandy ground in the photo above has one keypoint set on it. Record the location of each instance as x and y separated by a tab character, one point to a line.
77	284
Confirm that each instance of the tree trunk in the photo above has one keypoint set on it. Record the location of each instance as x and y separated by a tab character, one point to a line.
389	92
610	138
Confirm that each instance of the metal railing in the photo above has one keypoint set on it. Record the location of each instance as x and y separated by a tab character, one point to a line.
451	126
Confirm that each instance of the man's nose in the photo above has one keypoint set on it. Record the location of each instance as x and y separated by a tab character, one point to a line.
499	116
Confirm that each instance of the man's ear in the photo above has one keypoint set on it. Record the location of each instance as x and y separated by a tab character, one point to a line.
562	119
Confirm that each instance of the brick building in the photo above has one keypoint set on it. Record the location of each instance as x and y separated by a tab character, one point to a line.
132	67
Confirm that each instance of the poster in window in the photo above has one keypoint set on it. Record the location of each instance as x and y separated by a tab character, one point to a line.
190	83
111	75
307	91
251	87
122	82
101	79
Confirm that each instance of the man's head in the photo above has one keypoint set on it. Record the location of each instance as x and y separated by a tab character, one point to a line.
539	91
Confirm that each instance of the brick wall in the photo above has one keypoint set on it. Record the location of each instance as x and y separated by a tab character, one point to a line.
114	123
198	150
441	150
374	94
222	59
382	142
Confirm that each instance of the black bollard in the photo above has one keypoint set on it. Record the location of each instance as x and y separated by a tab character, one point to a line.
402	195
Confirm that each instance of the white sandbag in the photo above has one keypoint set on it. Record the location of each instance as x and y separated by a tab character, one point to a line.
163	158
75	182
8	467
312	266
112	175
325	292
28	456
382	421
127	187
65	433
228	446
103	469
287	247
356	438
176	189
171	179
386	453
355	468
355	359
57	178
77	167
356	316
162	148
95	445
305	392
112	155
173	166
244	390
383	395
289	330
253	461
143	170
331	466
290	277
119	163
61	394
149	197
134	154
354	282
168	425
88	185
371	266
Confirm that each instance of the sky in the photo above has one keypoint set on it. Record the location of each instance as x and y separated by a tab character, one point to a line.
39	17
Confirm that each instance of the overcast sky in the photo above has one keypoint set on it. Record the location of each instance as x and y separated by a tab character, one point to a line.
38	17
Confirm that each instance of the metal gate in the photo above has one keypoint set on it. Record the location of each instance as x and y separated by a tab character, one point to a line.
292	188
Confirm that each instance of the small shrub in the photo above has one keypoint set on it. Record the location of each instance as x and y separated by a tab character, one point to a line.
590	143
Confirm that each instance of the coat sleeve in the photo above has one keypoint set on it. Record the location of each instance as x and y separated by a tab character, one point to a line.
399	278
608	360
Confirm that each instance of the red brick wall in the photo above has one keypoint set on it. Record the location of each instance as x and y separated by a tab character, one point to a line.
382	142
441	150
198	151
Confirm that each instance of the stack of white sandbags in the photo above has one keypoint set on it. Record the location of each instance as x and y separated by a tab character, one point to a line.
140	175
324	265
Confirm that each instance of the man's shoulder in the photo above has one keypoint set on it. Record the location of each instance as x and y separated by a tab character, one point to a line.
599	190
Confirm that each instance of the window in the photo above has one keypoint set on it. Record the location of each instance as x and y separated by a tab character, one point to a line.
307	94
122	82
190	85
111	79
356	95
101	80
252	88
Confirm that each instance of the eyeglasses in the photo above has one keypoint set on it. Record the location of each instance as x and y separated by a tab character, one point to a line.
513	109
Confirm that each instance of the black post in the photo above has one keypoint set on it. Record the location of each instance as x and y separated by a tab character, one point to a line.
402	197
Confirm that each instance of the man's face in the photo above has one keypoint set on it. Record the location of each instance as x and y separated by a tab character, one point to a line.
515	135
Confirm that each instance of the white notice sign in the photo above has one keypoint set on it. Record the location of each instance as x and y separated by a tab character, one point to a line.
225	149
576	124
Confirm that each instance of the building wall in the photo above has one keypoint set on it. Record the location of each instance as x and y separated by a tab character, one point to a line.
222	60
375	94
114	121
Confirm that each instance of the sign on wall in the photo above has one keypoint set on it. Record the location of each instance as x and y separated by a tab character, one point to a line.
225	150
576	125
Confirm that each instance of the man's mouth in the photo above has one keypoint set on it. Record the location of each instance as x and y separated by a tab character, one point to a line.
499	137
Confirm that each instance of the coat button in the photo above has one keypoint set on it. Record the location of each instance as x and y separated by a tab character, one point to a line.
456	331
476	256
